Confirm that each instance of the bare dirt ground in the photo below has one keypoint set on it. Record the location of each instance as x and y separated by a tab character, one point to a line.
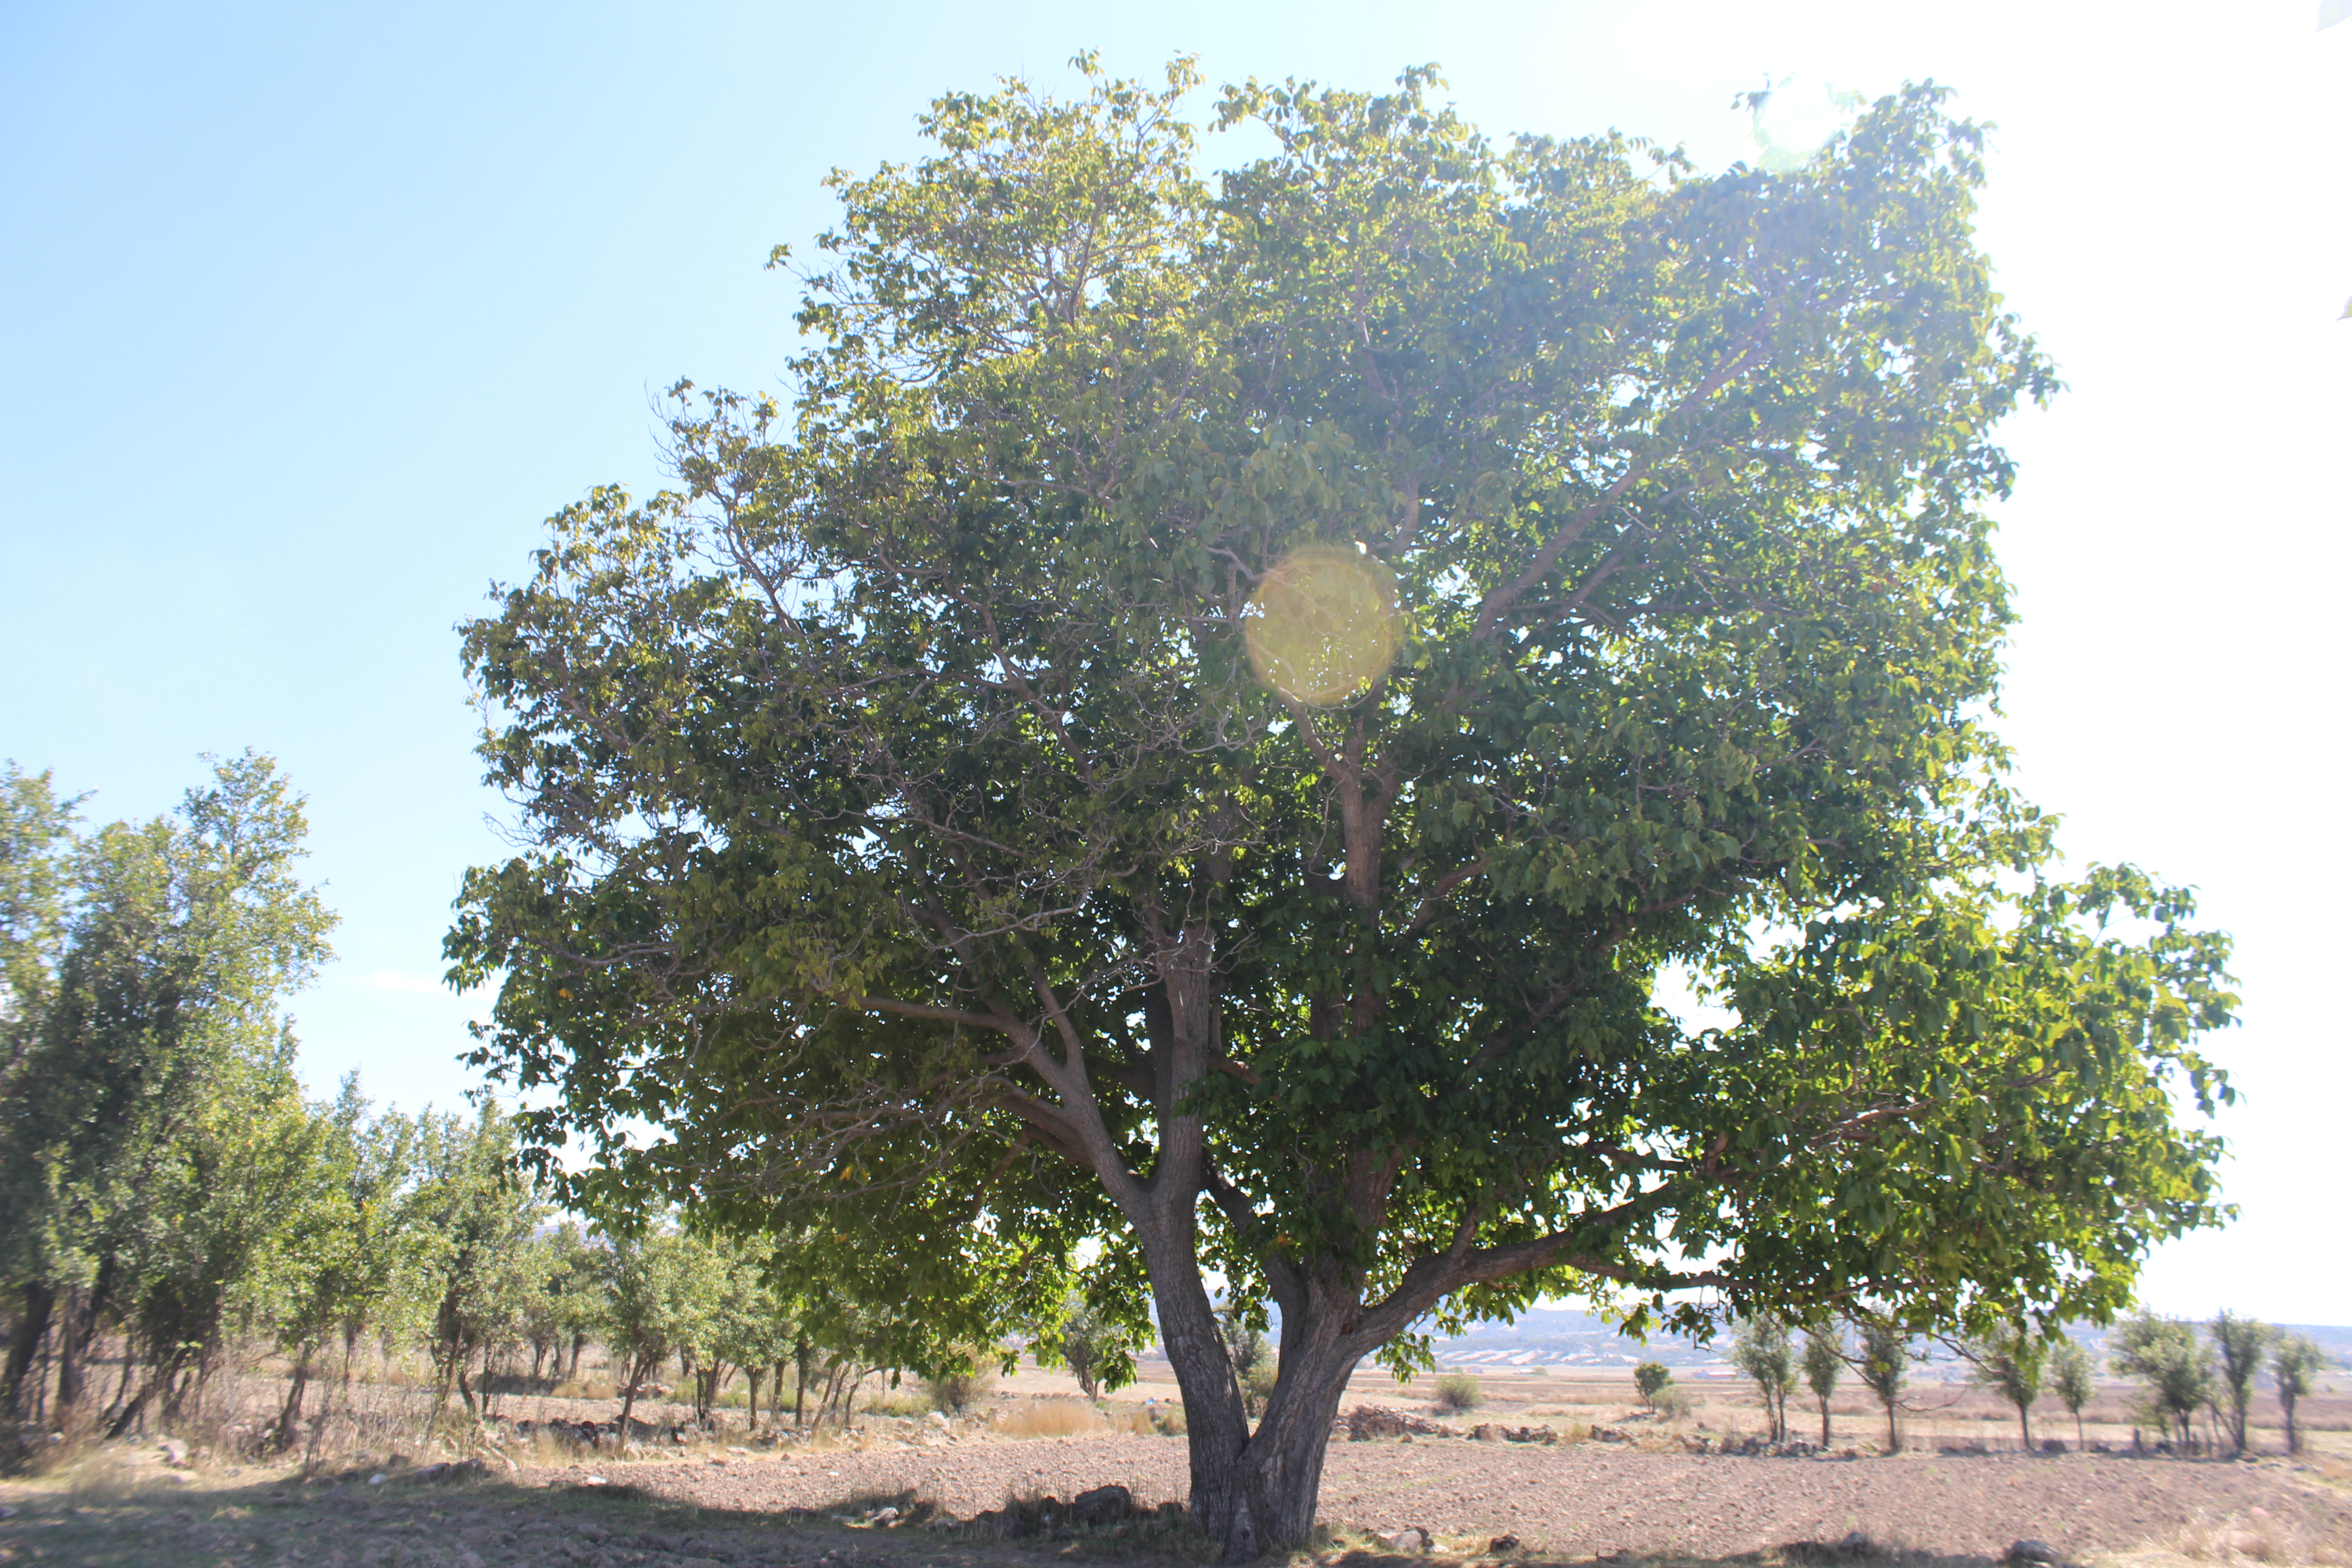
1588	1500
736	1502
1567	1503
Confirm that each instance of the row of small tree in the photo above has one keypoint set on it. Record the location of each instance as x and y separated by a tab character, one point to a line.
171	1201
2182	1374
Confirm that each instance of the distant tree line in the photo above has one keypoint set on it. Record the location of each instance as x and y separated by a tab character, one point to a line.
2181	1373
171	1201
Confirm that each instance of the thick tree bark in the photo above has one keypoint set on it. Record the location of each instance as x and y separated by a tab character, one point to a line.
32	1328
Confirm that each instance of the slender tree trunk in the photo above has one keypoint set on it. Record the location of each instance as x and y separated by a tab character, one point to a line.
1825	1420
162	1378
289	1417
800	1376
2079	1443
1893	1442
73	1337
122	1383
2024	1432
131	1411
2294	1438
751	1375
579	1343
25	1344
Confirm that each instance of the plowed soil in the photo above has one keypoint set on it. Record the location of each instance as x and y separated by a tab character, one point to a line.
1585	1500
1566	1504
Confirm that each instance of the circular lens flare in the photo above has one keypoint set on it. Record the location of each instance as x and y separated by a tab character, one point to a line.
1794	118
1323	625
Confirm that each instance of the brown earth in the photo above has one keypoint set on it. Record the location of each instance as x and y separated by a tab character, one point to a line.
698	1509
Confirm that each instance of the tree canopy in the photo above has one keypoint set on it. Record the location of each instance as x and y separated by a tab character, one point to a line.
1204	723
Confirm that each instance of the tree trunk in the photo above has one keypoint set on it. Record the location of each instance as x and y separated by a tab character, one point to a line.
138	1403
289	1417
1825	1420
1893	1442
32	1328
122	1383
2294	1438
2079	1443
2024	1432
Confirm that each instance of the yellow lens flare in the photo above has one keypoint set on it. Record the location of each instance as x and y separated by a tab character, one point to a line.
1323	625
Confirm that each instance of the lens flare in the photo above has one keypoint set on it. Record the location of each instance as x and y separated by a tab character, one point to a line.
1795	118
1323	625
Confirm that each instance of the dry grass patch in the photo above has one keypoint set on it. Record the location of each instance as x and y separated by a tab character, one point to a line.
1052	1418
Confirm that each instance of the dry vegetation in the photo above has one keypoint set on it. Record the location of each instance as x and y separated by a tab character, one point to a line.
1616	1487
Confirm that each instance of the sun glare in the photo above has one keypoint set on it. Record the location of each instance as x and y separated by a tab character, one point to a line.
1323	625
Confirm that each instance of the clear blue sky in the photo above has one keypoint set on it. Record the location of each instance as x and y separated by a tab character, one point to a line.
312	314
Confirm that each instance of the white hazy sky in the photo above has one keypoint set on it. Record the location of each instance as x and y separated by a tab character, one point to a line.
313	312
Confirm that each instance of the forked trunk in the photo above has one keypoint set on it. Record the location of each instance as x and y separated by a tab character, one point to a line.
1255	1491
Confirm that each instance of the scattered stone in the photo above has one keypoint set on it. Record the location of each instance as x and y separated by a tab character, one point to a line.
1103	1505
1410	1541
376	1479
2054	1444
174	1452
6	1512
1501	1544
2036	1553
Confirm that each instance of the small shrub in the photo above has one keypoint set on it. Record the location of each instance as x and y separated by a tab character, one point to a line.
1257	1387
903	1402
1460	1391
959	1389
1672	1401
1649	1378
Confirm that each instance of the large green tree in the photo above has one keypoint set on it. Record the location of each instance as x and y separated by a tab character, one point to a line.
1206	721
